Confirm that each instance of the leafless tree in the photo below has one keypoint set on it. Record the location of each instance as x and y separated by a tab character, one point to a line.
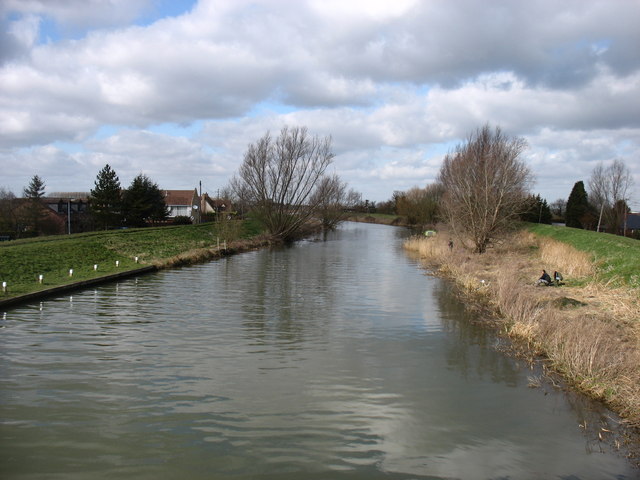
485	186
278	176
333	200
420	205
609	189
558	207
8	212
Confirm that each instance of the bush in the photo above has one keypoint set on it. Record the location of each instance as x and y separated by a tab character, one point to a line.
182	220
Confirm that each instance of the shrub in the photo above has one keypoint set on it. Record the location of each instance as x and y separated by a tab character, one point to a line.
182	220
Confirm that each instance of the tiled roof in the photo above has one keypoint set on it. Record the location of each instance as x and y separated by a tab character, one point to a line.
178	197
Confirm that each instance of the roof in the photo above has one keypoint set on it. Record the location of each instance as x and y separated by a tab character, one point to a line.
73	200
179	197
633	221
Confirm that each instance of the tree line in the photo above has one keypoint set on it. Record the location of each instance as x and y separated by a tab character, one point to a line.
111	206
482	190
283	183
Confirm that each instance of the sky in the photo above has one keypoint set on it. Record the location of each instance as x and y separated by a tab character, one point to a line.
178	89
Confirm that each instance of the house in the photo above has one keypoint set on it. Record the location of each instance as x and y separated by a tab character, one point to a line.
632	224
187	203
215	205
65	203
68	211
183	203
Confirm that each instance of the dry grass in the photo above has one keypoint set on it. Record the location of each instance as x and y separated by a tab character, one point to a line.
588	331
199	255
566	259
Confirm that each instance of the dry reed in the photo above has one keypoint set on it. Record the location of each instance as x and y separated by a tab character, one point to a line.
198	255
566	259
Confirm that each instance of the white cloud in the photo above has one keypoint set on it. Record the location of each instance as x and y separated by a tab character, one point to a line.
393	83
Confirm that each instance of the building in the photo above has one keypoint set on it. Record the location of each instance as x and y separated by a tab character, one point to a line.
632	224
68	212
183	203
215	205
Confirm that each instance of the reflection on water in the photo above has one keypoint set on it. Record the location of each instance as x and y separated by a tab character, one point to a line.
334	358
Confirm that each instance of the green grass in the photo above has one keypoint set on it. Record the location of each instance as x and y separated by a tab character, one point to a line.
22	261
617	258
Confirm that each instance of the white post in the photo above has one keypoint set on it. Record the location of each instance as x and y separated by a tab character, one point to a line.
136	258
4	286
117	263
71	272
225	245
40	277
95	267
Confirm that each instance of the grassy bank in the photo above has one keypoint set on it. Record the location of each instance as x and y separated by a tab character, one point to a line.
23	261
588	330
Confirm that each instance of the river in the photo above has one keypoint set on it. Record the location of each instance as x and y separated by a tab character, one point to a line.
335	358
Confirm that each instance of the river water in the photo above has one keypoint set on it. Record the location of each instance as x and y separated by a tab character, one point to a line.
337	358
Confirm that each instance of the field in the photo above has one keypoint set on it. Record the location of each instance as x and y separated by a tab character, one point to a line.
23	261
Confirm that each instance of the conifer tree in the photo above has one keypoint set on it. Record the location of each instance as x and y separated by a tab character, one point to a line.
34	211
106	203
577	206
538	212
35	189
143	202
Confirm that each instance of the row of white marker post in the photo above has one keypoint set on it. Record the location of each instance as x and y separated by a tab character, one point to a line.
41	277
95	268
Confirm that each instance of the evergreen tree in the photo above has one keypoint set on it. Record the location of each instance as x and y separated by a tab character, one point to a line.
35	189
106	203
577	208
538	211
34	210
143	202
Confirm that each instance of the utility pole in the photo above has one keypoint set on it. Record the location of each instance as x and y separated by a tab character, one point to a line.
201	204
69	214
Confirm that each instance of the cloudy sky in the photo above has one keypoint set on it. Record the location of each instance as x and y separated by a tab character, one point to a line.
177	89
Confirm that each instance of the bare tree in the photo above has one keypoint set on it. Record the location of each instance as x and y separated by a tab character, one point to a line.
558	207
333	200
609	189
485	186
277	178
420	205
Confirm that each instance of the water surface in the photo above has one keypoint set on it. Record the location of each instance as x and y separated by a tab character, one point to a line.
335	358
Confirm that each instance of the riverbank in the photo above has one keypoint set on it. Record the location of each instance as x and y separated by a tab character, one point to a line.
379	218
44	266
587	330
